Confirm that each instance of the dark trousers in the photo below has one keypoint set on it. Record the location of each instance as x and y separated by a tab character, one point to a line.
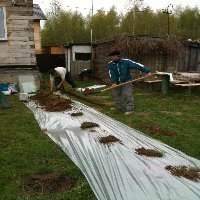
125	90
68	78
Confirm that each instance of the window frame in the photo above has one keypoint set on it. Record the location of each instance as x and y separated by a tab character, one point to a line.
5	25
78	54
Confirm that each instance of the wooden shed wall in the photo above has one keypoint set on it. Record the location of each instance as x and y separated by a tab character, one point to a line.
77	66
57	50
190	61
185	62
19	48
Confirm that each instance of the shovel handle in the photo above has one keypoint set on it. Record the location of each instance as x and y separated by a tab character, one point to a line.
137	79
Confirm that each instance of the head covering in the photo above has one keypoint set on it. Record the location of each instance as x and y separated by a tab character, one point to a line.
114	53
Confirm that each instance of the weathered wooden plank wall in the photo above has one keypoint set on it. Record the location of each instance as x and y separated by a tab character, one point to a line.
185	62
19	48
37	36
78	66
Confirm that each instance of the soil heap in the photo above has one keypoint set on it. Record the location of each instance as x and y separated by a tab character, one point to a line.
52	102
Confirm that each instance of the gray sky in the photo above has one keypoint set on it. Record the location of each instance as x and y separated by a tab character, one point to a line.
84	6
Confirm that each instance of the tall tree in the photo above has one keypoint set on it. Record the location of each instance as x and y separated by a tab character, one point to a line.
63	27
189	23
105	25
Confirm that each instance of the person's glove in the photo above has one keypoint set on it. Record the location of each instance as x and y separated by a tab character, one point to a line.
113	85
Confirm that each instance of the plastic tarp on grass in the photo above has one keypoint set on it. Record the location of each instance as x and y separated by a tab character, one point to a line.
117	172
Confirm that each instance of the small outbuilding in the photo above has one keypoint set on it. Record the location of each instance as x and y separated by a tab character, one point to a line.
75	57
160	53
17	42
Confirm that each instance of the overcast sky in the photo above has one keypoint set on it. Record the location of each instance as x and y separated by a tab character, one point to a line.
84	6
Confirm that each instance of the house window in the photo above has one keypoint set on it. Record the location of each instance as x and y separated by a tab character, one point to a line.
3	27
83	56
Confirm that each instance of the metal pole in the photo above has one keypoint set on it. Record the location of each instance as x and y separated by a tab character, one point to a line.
91	33
168	25
168	12
91	40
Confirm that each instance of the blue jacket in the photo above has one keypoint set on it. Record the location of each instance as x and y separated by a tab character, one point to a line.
120	72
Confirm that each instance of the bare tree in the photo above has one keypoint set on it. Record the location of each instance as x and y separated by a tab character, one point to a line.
135	4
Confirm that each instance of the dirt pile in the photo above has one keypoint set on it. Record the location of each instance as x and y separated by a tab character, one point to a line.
189	173
88	91
109	139
51	102
76	114
86	125
149	152
156	130
84	98
48	183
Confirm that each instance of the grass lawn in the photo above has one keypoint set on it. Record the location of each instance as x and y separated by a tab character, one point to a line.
26	151
175	113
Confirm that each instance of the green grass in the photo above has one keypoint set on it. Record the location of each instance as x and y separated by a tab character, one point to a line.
26	150
178	113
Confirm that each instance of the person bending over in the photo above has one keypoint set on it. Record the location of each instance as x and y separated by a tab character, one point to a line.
58	76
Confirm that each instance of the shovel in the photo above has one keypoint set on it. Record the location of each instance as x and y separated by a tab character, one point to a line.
89	91
42	81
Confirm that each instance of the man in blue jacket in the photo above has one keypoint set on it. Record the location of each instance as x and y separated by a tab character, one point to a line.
119	72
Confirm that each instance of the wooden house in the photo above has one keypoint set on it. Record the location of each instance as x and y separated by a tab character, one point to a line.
17	46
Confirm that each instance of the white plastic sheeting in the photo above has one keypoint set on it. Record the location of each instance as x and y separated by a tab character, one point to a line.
90	87
117	172
189	76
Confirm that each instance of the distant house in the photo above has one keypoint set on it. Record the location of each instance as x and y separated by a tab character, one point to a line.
17	45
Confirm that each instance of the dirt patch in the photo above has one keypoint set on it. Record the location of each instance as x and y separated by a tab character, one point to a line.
186	172
108	140
51	102
88	91
149	152
131	123
86	125
142	114
76	114
51	183
156	130
93	101
109	103
172	113
101	97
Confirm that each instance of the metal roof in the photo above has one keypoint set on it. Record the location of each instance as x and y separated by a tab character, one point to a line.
38	13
